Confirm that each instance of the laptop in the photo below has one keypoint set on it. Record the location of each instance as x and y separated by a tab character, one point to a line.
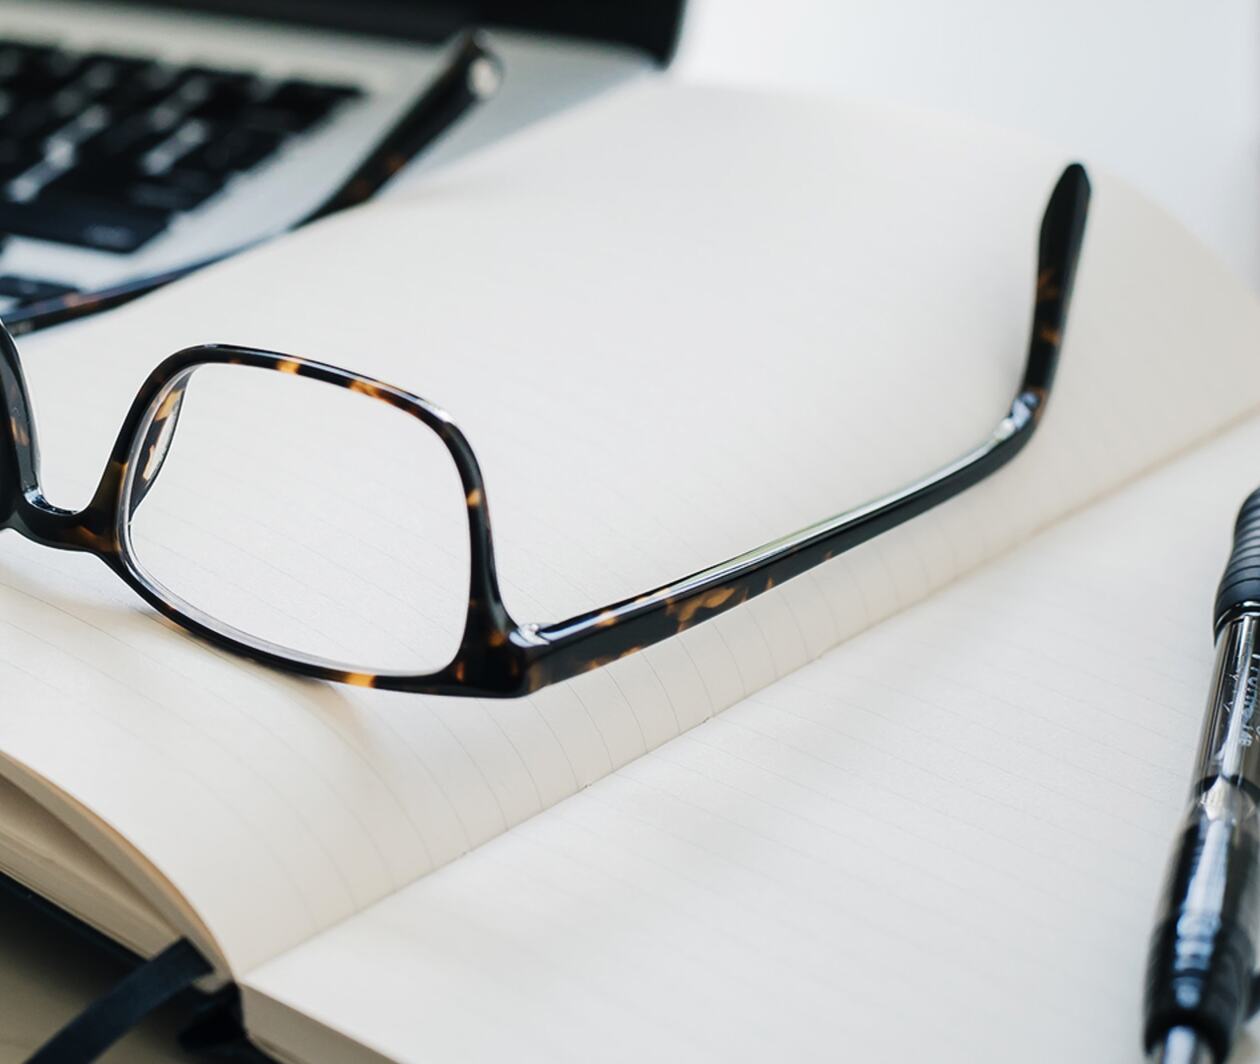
137	138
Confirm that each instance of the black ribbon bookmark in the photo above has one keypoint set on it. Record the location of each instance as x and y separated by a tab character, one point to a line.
115	1013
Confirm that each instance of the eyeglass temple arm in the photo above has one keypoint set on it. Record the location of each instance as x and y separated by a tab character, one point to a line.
1058	253
558	651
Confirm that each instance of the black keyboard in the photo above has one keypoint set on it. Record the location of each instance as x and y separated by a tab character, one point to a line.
102	151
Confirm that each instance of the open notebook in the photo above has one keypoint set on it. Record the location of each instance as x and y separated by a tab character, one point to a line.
674	325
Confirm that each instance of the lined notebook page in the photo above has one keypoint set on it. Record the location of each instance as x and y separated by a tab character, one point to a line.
941	841
674	325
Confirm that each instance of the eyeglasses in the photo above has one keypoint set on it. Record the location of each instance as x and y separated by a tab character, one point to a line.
169	518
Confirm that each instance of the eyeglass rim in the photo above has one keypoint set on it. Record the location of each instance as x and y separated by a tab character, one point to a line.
484	614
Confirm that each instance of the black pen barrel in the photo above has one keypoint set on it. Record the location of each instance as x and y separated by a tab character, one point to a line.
1203	950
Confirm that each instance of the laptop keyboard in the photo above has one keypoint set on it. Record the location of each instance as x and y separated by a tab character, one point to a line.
103	151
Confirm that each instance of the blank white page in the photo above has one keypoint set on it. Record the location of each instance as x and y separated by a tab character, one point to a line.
940	841
674	325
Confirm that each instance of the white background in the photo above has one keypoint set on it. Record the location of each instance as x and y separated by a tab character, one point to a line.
1165	93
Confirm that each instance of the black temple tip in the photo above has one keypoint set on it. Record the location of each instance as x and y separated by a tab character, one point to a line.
1063	225
1062	233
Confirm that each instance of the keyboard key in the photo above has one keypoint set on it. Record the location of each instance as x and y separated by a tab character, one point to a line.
86	124
37	70
31	121
103	70
295	106
28	290
309	97
271	120
141	90
16	157
102	225
123	142
176	190
170	193
229	97
95	182
12	56
92	187
232	149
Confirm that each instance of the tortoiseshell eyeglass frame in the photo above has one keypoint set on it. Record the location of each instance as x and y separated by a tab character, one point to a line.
497	657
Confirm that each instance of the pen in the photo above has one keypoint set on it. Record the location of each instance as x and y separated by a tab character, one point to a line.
1202	955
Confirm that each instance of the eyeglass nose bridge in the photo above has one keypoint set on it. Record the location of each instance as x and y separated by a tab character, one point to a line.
23	507
158	432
